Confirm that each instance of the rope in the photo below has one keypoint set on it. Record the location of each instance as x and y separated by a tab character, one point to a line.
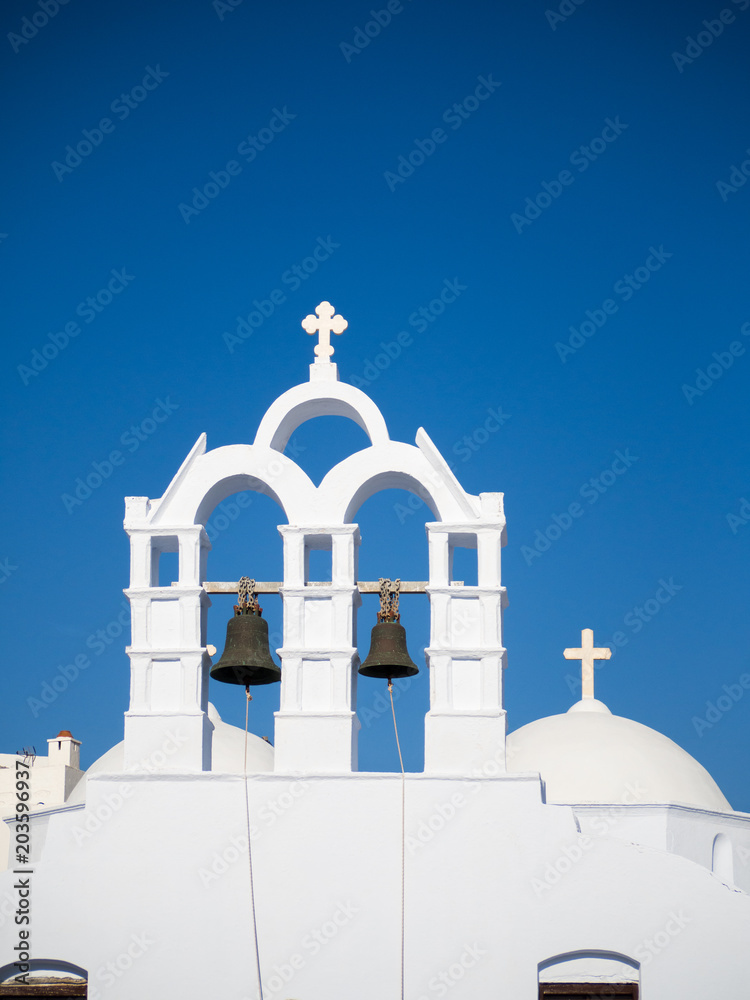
249	849
403	832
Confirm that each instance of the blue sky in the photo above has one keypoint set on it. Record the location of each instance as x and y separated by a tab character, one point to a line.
553	165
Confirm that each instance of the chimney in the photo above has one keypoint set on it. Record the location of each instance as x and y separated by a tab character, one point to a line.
65	750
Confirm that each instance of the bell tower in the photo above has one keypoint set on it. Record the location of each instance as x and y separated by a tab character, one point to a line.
316	725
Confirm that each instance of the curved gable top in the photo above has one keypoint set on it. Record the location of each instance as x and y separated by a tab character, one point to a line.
396	466
217	474
319	399
206	478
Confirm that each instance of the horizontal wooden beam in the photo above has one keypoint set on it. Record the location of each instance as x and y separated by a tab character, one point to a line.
364	587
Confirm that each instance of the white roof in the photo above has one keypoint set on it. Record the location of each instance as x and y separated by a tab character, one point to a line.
589	755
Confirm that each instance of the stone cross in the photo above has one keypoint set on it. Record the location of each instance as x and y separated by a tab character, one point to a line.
587	654
324	324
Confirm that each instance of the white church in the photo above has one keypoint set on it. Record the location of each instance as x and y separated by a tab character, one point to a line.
583	855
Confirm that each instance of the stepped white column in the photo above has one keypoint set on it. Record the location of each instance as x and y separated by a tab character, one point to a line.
166	726
465	727
316	726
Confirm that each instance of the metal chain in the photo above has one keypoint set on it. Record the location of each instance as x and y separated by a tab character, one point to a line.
247	598
384	598
389	594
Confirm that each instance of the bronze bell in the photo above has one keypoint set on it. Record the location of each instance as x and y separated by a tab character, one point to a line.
246	658
388	656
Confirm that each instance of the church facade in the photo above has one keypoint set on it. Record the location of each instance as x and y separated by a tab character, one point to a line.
583	855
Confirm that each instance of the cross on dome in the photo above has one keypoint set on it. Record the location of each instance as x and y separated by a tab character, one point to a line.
324	324
587	653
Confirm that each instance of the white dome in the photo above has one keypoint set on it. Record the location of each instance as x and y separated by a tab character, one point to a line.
589	755
227	755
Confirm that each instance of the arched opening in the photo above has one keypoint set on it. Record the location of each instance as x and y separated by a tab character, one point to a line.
464	566
309	400
321	443
415	496
581	975
221	491
394	544
722	859
44	978
165	561
243	531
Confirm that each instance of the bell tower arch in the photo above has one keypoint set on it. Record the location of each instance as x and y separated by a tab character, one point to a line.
316	725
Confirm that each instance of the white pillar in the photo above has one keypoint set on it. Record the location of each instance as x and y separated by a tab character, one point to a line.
316	726
465	727
166	726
